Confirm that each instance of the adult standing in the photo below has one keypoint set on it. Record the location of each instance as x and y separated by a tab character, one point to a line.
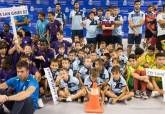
136	20
160	28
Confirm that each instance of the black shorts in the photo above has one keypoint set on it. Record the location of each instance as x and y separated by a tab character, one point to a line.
107	39
77	33
132	39
116	39
148	34
91	40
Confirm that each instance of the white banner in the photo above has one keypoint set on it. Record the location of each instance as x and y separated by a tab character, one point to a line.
155	72
13	11
51	83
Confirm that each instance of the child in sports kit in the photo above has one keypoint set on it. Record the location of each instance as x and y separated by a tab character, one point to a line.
61	51
131	67
141	78
54	67
66	65
103	75
157	81
117	90
122	59
68	85
84	70
74	62
88	82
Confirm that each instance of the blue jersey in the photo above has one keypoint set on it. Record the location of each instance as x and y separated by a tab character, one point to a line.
104	75
72	84
19	86
117	85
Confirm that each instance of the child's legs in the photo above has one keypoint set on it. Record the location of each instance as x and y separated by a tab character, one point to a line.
143	86
62	93
136	83
127	96
80	93
109	93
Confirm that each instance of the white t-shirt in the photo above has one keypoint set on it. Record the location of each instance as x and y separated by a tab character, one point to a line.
118	31
77	18
161	29
136	18
91	27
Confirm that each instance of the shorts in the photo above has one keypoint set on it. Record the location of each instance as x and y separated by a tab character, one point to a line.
131	83
77	33
91	40
73	92
99	37
132	39
116	39
118	94
107	39
159	83
148	34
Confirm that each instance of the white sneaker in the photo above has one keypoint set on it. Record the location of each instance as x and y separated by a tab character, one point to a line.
155	94
40	103
69	99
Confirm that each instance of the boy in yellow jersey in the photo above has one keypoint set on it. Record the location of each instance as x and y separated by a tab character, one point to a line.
148	57
156	81
131	67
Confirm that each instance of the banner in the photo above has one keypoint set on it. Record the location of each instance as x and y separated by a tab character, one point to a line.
51	83
13	11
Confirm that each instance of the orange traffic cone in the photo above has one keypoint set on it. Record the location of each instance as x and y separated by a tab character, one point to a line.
94	105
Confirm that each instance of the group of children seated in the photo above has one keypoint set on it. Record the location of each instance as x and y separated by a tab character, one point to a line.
77	66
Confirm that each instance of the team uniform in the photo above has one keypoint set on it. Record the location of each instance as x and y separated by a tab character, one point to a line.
117	33
117	85
91	27
72	84
76	25
136	18
161	31
107	34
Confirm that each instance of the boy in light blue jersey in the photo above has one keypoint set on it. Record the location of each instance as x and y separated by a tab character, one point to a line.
117	33
41	25
117	90
91	25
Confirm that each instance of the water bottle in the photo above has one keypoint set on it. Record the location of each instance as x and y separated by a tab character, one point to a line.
31	8
66	10
84	10
159	2
108	2
125	3
90	2
38	1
